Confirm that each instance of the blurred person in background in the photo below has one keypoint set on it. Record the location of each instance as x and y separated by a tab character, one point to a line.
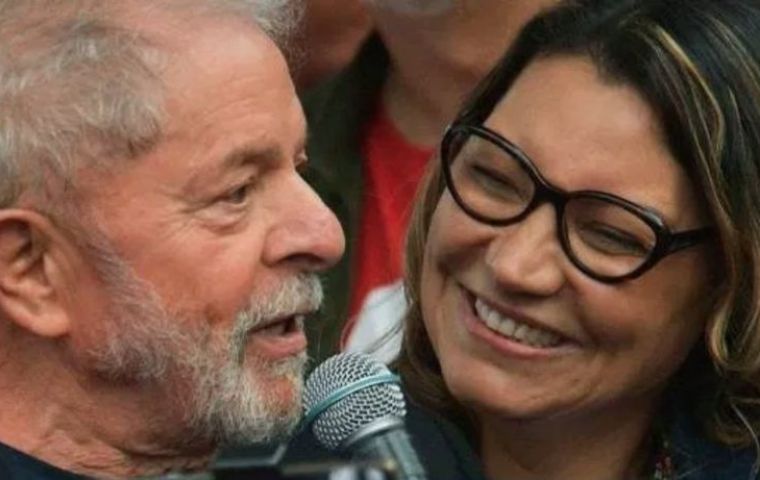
584	262
332	31
373	129
158	247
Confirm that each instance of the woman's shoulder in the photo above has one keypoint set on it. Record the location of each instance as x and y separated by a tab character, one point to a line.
441	446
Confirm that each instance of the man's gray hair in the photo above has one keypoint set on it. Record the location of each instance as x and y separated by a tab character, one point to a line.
79	86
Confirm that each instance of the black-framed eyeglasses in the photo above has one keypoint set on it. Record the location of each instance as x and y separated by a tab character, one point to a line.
607	237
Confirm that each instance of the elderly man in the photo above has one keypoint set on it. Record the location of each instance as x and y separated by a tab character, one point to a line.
158	247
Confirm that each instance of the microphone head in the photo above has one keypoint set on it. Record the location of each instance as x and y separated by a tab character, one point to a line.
356	410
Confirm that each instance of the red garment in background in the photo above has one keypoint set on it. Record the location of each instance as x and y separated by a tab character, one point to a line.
391	171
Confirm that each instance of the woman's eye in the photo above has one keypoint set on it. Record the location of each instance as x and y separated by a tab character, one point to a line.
607	239
495	183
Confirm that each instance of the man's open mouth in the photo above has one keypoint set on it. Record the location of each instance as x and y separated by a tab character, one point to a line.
282	326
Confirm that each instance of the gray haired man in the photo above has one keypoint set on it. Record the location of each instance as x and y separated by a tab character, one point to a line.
158	247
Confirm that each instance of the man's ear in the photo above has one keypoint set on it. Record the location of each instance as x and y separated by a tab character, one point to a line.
33	272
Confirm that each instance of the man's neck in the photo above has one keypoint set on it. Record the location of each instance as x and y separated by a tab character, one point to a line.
100	433
437	60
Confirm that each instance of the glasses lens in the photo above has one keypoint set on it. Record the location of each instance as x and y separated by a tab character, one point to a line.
488	179
606	238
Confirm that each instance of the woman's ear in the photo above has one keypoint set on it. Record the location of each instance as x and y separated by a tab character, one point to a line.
33	272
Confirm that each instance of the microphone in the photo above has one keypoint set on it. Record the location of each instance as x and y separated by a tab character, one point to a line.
355	404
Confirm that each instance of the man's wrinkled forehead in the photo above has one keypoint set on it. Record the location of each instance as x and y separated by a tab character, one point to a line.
235	54
27	26
38	16
173	27
415	7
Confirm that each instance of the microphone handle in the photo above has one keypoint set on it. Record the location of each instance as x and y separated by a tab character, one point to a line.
393	444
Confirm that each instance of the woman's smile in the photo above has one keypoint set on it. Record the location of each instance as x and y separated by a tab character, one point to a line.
514	329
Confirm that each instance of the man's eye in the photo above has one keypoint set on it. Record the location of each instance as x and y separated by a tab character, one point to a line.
237	196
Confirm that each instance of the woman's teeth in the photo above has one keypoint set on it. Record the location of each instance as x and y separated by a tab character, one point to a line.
514	330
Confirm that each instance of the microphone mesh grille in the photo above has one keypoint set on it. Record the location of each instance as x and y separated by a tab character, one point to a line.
333	426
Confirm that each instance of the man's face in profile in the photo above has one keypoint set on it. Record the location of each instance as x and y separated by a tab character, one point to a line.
206	248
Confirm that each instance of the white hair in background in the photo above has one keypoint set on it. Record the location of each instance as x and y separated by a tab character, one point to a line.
279	18
227	401
414	7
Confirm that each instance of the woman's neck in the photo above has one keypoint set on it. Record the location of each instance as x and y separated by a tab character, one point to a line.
596	446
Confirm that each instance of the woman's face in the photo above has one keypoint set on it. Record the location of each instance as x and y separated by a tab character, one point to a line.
577	345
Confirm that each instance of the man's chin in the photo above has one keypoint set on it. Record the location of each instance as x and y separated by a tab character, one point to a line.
276	390
283	392
287	386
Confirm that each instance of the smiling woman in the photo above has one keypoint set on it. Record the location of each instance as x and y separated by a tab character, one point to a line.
583	261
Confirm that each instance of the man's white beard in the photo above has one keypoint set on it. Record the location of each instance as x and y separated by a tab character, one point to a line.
227	402
231	404
414	7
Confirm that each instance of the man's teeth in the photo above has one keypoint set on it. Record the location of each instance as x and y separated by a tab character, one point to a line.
514	330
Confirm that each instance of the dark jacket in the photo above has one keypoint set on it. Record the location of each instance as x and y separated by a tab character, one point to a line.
447	455
15	465
697	458
337	112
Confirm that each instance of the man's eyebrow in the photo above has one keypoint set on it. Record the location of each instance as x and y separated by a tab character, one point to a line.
250	153
244	155
254	153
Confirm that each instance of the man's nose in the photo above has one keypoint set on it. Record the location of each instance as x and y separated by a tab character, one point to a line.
527	257
307	234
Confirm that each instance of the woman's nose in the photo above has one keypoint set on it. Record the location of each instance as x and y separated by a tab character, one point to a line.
527	256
